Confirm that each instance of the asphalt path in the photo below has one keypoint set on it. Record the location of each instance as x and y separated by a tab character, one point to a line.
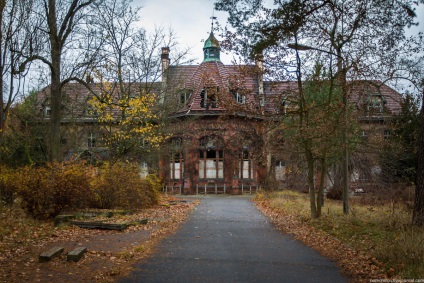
226	239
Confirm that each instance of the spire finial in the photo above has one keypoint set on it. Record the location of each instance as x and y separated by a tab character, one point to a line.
212	18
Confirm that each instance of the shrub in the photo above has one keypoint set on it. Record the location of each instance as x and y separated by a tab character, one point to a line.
7	187
47	191
120	186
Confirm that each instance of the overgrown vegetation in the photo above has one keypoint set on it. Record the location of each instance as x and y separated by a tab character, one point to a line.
380	228
44	192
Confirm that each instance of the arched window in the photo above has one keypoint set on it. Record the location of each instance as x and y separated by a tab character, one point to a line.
176	164
211	158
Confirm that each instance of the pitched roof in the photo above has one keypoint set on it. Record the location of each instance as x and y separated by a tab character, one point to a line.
244	78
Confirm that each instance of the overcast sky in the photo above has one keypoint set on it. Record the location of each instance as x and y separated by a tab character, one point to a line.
190	20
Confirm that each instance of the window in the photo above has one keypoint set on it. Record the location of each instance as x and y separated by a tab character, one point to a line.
245	165
91	140
209	97
89	110
184	96
262	101
240	99
364	135
176	164
47	111
387	134
375	103
280	170
283	106
211	158
144	169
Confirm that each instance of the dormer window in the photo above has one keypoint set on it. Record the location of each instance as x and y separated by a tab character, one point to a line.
375	103
209	98
184	96
239	98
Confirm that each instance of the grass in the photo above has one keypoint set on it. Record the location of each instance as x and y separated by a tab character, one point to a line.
384	231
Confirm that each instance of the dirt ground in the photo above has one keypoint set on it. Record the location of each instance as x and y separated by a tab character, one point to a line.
110	254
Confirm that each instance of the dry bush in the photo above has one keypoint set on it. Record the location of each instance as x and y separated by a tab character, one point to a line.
47	191
380	227
120	186
7	187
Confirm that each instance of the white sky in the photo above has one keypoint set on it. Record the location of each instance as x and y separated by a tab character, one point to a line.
190	20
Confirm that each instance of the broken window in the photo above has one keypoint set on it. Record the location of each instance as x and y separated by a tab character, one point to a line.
211	158
176	164
209	97
245	165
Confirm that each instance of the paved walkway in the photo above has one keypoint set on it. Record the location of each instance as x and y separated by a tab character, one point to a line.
227	239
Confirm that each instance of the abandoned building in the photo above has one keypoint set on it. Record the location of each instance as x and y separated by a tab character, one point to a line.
219	132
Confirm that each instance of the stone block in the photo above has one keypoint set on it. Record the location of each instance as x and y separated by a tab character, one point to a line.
62	219
50	254
76	254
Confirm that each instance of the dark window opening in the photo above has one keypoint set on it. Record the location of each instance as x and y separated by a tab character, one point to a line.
209	97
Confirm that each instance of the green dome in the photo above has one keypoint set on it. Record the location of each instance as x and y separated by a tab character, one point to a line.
211	42
211	49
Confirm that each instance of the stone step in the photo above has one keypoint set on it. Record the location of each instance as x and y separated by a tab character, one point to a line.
76	254
50	254
99	225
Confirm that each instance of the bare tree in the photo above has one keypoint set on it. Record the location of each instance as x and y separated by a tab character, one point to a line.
360	40
14	38
129	70
59	24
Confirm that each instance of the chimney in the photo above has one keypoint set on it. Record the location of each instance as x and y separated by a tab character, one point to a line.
165	62
259	60
165	65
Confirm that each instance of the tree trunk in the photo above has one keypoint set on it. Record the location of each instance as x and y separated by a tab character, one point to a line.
2	122
418	213
320	198
311	186
56	91
56	102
